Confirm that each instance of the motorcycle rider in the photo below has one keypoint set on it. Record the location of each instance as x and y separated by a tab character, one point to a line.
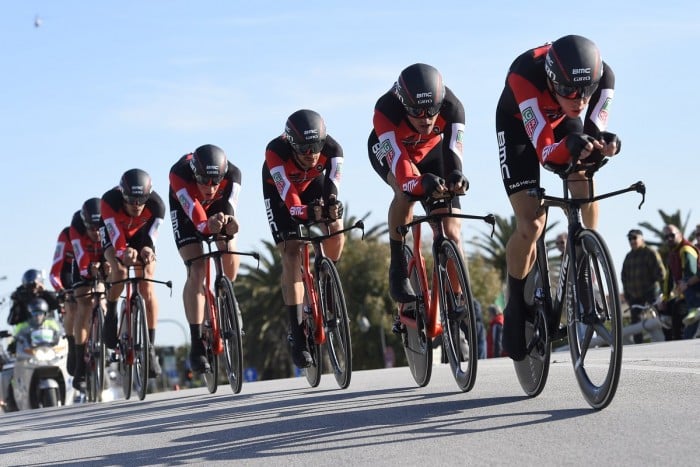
32	287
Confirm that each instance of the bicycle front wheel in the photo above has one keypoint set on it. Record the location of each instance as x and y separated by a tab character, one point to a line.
335	318
230	333
457	314
595	323
416	343
532	371
95	366
126	353
139	332
211	377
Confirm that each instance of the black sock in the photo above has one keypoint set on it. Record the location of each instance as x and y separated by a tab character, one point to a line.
151	336
516	289
196	334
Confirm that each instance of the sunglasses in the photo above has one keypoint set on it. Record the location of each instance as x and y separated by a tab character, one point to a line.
574	92
208	180
669	236
424	112
136	200
307	149
632	237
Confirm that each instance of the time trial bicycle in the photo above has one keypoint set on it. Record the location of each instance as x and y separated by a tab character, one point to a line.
444	306
133	344
586	291
222	330
325	321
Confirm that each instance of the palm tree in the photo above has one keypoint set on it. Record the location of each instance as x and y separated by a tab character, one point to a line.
264	318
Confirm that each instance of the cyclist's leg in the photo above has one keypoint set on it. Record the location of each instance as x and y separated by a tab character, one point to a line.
400	213
151	301
193	300
117	272
293	297
81	326
520	256
284	230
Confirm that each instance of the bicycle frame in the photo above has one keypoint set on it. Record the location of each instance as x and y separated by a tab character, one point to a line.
310	278
572	209
429	305
214	256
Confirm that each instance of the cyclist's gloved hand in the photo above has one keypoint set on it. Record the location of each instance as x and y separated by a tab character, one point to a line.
609	139
433	186
231	225
333	208
577	143
457	182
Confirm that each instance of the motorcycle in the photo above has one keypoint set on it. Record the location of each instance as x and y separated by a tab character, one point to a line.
37	376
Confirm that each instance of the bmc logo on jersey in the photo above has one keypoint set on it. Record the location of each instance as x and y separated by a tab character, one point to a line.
529	121
296	211
410	185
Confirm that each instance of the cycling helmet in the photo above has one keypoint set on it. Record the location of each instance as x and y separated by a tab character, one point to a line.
135	186
32	277
90	213
306	132
574	67
209	164
38	309
421	90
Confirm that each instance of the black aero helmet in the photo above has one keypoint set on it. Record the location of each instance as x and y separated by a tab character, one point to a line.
90	213
209	164
574	67
136	186
32	277
306	131
421	90
38	309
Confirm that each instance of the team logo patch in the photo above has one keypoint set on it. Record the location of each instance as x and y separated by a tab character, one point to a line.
184	202
459	142
279	181
603	114
385	151
529	121
111	231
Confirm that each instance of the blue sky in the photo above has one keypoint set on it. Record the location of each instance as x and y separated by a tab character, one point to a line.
102	87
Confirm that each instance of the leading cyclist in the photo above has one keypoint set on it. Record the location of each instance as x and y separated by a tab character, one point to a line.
203	197
538	122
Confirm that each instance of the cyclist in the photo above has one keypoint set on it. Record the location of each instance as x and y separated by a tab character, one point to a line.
203	198
61	278
301	179
86	239
132	213
416	148
538	121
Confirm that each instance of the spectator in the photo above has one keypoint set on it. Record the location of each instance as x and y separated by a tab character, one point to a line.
642	274
560	242
493	339
681	289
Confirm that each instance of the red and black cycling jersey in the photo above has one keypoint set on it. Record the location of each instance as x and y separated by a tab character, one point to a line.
403	147
183	187
291	180
527	97
62	259
85	250
120	227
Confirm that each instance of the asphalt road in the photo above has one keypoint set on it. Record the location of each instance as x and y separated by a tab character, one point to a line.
384	419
